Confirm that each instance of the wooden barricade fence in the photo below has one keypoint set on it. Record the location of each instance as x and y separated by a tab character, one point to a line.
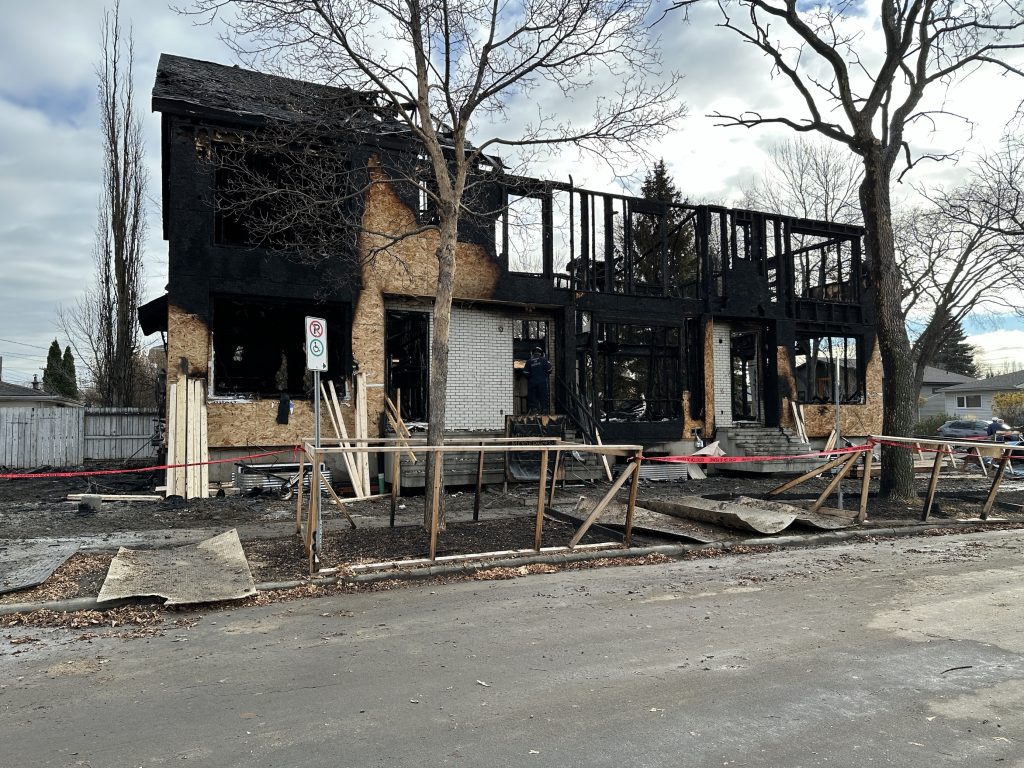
308	511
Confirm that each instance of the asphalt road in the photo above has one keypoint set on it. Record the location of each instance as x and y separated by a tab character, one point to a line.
904	652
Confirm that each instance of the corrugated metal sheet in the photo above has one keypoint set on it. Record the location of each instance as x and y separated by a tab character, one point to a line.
119	433
41	437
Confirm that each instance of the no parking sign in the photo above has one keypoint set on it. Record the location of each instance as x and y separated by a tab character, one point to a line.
316	344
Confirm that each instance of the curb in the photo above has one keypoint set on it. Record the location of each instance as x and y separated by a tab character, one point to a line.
469	568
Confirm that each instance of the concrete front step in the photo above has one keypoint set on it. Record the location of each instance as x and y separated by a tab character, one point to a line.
751	440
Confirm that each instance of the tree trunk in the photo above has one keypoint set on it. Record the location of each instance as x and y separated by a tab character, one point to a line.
449	232
898	394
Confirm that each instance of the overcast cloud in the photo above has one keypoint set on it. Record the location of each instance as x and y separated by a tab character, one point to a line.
50	149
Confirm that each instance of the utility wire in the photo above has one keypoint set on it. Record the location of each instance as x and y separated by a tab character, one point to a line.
23	344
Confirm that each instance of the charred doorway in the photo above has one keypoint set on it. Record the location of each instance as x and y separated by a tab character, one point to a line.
407	349
747	381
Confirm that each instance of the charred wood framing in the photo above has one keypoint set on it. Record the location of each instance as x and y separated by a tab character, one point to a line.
628	288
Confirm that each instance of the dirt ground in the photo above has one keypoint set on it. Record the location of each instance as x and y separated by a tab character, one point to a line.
37	507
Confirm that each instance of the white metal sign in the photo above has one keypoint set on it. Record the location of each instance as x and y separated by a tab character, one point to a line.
316	344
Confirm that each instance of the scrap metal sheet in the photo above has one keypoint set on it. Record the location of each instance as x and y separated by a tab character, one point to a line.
25	564
646	521
746	514
214	569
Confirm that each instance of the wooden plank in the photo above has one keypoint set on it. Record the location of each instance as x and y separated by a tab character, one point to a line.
808	475
631	507
996	481
554	478
850	461
349	459
204	444
192	409
395	426
604	457
596	513
118	496
330	411
350	463
865	484
932	485
435	503
172	454
538	528
181	399
364	433
479	485
340	503
396	483
831	442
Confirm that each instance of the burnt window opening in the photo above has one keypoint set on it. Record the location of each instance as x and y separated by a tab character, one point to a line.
407	347
527	335
638	372
815	361
522	232
259	346
661	253
823	268
426	190
285	201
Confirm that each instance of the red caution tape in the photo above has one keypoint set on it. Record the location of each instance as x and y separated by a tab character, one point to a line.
24	475
742	459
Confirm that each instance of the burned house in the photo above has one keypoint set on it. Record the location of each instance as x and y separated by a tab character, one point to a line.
662	321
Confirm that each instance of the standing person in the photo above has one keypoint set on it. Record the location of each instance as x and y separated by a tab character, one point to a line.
996	426
537	370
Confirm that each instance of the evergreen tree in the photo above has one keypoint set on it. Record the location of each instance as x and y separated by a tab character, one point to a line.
59	375
672	232
70	376
955	354
53	374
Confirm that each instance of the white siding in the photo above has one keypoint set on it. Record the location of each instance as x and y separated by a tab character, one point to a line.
983	412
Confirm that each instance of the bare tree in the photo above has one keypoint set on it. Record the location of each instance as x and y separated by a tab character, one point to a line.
953	255
102	324
812	179
952	267
995	198
449	72
863	87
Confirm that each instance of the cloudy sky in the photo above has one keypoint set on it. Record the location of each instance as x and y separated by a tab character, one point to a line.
50	153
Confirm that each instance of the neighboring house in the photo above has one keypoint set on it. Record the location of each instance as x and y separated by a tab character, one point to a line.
14	396
931	401
699	313
973	399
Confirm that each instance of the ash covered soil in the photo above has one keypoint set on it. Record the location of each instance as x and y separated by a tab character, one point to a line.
38	508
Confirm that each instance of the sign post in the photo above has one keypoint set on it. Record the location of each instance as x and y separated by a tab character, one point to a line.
316	361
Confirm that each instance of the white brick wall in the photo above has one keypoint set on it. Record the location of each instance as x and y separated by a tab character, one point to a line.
722	340
480	375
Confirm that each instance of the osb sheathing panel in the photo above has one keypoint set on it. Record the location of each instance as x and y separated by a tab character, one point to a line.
408	268
255	423
188	337
689	424
709	378
860	420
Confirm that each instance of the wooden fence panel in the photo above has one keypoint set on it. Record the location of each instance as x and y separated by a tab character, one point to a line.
119	433
41	437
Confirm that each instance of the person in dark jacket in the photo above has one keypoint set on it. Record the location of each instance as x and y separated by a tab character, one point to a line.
537	370
996	426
